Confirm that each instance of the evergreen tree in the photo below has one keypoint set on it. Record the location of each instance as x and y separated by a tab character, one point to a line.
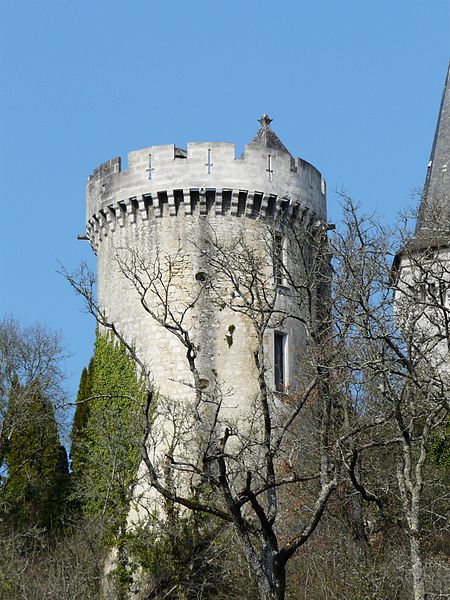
106	433
105	445
80	419
37	469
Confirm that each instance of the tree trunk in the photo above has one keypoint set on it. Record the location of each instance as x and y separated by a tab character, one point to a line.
417	568
276	588
356	520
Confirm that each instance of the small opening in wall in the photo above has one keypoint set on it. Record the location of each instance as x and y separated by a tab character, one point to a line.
178	199
229	335
257	199
241	203
226	201
271	206
210	199
284	207
280	340
121	209
194	199
162	203
200	276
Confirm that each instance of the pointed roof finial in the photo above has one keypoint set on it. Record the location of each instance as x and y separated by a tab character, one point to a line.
265	136
265	120
434	211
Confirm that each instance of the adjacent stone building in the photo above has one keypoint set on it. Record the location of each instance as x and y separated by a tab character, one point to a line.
422	266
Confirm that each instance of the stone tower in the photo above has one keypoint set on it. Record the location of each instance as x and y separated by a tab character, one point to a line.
423	264
164	205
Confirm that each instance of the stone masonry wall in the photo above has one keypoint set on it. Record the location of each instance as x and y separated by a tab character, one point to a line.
162	208
165	202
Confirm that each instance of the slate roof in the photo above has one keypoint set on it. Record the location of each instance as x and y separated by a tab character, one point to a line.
434	211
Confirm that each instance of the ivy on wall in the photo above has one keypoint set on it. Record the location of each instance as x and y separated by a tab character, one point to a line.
106	431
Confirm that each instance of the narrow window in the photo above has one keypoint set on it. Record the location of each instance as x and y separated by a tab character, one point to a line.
280	361
278	262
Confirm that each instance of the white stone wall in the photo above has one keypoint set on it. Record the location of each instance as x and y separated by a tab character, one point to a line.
163	206
174	206
422	304
301	182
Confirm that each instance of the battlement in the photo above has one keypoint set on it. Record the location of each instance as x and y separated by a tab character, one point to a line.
156	171
106	169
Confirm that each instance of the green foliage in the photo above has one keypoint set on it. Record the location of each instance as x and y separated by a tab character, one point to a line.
440	450
37	471
106	435
80	419
179	561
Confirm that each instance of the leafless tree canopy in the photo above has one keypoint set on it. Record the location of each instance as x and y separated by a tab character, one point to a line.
370	393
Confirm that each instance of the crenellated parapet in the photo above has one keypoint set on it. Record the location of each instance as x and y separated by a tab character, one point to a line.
207	178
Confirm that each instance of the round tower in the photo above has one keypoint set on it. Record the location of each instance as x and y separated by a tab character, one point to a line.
165	205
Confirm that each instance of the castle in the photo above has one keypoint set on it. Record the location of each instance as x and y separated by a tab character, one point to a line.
177	236
164	206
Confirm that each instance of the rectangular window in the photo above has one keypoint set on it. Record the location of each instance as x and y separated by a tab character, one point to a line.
280	361
278	252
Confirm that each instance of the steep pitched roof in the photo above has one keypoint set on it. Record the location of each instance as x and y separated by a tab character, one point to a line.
266	137
434	211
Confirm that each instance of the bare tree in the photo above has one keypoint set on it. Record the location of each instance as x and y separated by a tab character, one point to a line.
397	348
28	355
63	567
370	379
245	462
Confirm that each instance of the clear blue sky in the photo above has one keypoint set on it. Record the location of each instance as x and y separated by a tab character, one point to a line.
353	86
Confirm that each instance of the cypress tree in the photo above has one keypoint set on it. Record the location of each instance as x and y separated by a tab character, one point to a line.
80	420
110	434
105	445
37	469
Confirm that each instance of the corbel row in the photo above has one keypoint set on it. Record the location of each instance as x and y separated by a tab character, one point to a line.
220	202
